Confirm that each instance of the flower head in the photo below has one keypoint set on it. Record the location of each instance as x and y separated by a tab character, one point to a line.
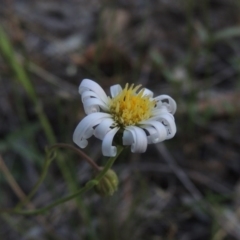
129	107
135	115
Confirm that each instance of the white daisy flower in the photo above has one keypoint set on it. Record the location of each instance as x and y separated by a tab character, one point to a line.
135	116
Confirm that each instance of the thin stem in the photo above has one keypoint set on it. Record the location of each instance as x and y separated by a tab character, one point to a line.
90	184
87	187
46	166
109	164
37	185
78	151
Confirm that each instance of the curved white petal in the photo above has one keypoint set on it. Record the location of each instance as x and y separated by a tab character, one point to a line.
167	120
92	105
160	110
115	90
88	133
152	135
127	138
89	85
107	149
85	129
147	92
169	123
157	134
88	94
103	128
135	137
165	100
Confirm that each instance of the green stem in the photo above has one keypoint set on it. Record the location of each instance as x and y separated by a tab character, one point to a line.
90	184
87	187
109	164
47	163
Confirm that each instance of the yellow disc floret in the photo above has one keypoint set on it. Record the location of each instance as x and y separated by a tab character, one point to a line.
129	107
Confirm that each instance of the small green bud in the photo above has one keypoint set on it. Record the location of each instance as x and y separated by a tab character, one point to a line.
108	184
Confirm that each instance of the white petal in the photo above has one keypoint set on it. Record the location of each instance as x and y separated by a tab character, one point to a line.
160	133
115	90
152	135
85	130
92	105
103	128
169	123
107	149
88	94
147	92
88	133
127	138
135	137
165	100
160	110
90	85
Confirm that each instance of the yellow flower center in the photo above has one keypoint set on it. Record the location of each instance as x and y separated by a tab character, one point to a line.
129	108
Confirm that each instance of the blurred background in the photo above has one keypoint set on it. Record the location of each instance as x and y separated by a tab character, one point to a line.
187	188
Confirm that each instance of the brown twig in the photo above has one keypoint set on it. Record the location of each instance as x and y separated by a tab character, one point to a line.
11	181
22	196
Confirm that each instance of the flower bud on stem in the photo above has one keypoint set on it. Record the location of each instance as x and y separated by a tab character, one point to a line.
108	184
